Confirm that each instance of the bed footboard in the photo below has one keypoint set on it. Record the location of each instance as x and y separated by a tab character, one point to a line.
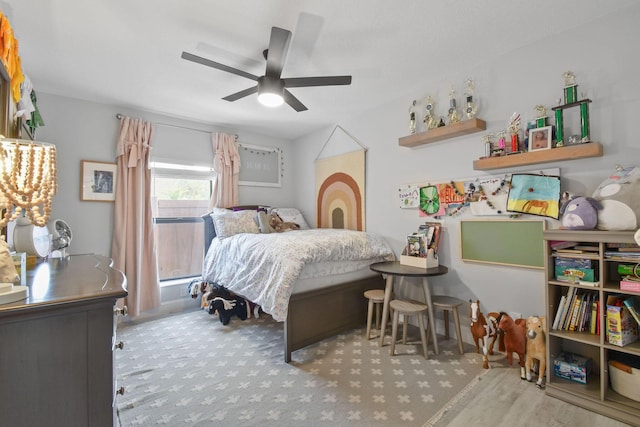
323	313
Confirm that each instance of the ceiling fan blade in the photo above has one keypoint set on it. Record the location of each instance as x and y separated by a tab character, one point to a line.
209	63
241	94
293	101
317	81
277	52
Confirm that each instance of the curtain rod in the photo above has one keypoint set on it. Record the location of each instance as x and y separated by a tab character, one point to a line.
120	116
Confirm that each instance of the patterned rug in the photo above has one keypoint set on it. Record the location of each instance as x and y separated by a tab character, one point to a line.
190	370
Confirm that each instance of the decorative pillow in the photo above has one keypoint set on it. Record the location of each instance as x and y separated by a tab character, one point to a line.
291	215
231	223
618	196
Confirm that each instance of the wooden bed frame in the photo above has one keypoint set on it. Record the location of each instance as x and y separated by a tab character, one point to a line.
320	313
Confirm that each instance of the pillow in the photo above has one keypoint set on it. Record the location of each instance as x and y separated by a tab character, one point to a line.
230	223
292	215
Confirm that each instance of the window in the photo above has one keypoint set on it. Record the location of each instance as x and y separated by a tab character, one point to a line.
180	196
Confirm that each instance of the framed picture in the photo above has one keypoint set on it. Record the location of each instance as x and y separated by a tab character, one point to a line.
98	181
540	138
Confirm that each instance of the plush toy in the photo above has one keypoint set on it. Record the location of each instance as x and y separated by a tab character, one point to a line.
618	196
8	272
227	308
279	225
227	303
515	339
580	213
536	348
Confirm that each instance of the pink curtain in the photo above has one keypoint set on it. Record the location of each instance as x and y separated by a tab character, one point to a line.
133	247
226	165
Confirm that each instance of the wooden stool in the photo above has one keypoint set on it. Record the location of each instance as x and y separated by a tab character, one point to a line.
408	308
447	304
375	297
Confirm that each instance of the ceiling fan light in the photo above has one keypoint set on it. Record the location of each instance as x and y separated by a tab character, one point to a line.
270	91
270	99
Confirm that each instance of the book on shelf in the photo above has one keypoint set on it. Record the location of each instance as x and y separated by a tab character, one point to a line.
565	308
561	244
633	304
629	249
575	312
570	251
416	245
594	316
561	304
587	248
433	230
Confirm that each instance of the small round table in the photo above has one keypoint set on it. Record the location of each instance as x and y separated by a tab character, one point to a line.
391	269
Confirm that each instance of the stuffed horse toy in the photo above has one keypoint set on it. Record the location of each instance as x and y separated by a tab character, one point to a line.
515	339
536	348
481	330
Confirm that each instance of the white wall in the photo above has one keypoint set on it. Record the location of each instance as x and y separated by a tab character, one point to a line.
84	130
605	63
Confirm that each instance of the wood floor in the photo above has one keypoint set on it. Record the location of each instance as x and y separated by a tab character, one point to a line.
501	398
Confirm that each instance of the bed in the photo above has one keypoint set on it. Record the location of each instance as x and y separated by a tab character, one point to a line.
313	280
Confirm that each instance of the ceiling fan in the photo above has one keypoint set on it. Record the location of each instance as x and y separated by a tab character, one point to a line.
272	88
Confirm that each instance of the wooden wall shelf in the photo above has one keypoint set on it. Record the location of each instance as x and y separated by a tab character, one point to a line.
464	127
569	152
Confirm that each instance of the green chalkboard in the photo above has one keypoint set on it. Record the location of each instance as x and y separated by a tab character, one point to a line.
514	242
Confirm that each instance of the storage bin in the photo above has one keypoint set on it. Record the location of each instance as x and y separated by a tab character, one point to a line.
625	379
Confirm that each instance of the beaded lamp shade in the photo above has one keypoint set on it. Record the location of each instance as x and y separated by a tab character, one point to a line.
27	180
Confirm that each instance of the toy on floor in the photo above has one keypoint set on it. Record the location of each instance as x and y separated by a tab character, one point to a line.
515	339
227	308
482	331
218	300
536	348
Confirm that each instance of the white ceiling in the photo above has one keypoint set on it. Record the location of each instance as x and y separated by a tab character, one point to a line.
127	52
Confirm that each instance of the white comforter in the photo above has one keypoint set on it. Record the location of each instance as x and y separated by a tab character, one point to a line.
264	267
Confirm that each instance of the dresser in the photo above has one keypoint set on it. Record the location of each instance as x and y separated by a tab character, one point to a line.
56	346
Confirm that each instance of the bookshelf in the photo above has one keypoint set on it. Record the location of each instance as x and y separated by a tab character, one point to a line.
597	394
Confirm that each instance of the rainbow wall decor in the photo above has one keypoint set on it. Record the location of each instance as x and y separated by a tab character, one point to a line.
340	184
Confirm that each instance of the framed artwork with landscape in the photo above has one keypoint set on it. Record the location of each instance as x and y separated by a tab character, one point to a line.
540	138
98	181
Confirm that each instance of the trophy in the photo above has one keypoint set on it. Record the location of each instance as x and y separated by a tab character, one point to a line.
430	122
453	112
412	118
541	116
471	109
487	145
514	128
571	100
570	87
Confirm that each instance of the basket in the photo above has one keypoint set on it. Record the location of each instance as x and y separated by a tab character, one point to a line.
625	379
